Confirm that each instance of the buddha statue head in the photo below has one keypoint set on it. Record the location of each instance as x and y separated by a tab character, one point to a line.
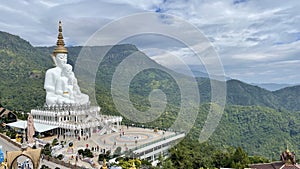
60	52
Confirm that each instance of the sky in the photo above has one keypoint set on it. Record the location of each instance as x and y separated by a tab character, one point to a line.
257	41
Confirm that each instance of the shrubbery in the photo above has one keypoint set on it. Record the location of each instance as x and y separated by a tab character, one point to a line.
11	134
54	142
45	167
86	153
60	157
106	156
47	150
117	152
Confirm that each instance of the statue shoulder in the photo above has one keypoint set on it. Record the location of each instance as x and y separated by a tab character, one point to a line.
54	70
50	78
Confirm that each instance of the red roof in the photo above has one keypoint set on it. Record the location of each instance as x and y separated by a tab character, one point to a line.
275	165
291	166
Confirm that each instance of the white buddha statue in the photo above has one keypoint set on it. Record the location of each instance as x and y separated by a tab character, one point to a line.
63	88
71	86
59	81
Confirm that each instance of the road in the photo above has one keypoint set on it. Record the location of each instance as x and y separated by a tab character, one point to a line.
51	164
6	146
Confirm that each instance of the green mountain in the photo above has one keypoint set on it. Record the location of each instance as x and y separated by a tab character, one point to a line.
256	119
259	130
289	97
240	93
23	63
22	70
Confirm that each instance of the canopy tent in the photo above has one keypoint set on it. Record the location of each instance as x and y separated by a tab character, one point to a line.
38	126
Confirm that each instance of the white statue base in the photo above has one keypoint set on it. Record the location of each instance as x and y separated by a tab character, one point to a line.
76	120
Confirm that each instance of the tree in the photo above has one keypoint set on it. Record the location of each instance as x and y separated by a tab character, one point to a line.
168	164
101	157
240	159
54	142
221	159
80	152
128	163
117	152
47	149
164	163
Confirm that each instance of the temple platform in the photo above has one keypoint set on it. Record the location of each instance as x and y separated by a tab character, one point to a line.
143	142
76	120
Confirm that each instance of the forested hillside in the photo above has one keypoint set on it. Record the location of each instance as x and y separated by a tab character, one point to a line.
22	70
261	131
259	121
289	97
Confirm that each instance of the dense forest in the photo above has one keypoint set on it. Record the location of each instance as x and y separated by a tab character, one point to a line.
190	154
259	121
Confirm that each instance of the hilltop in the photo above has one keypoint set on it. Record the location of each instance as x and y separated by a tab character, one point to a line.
256	119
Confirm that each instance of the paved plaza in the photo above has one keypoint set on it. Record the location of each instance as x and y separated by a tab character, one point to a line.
129	138
126	138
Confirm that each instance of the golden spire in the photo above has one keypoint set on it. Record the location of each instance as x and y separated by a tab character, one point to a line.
133	166
287	148
60	48
104	164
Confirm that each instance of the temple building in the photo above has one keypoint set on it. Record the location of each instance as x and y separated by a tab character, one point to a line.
7	115
67	111
287	161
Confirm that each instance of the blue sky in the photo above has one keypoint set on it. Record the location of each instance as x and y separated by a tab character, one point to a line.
257	41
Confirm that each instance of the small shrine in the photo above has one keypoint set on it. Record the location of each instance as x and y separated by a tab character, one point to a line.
287	161
288	157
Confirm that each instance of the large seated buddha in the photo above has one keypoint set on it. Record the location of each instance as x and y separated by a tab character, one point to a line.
60	82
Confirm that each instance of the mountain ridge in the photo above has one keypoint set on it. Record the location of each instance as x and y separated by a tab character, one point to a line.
25	60
254	118
273	86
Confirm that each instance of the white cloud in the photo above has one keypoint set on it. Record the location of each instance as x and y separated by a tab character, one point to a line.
249	33
246	34
251	56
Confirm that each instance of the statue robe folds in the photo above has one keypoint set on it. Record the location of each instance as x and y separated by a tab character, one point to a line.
62	88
